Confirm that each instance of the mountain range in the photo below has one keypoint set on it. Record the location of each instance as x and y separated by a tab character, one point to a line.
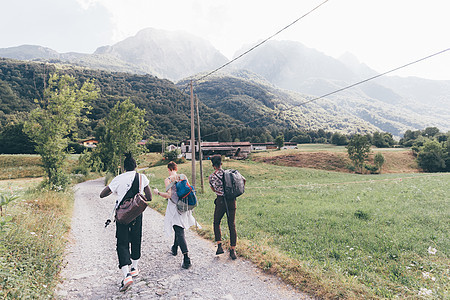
289	72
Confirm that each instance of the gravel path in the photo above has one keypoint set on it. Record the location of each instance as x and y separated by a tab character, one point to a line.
91	270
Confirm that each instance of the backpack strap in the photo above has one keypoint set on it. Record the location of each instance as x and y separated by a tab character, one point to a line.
134	189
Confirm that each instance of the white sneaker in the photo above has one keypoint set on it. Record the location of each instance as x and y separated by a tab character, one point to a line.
126	283
134	272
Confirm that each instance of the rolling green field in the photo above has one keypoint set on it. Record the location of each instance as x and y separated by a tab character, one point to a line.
339	235
334	235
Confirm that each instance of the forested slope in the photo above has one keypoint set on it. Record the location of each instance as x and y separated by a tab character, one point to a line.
167	108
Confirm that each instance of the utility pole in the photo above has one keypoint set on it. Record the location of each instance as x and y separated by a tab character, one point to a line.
200	153
192	136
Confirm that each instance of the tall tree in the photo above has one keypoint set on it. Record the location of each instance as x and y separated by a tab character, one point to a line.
358	150
431	157
55	118
124	128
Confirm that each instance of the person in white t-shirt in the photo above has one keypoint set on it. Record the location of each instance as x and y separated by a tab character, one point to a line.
129	234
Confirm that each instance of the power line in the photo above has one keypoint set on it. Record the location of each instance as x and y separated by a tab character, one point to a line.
344	88
368	79
262	42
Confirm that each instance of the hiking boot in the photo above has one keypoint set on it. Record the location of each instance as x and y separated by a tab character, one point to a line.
134	272
233	254
174	250
186	263
126	283
219	249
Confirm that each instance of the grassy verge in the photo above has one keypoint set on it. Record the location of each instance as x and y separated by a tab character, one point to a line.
32	247
339	235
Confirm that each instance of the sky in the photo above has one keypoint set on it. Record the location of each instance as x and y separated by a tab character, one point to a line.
384	34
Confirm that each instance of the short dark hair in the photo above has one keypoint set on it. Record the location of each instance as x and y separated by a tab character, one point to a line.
172	166
129	164
216	160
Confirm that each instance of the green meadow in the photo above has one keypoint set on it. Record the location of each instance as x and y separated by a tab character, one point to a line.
333	235
338	235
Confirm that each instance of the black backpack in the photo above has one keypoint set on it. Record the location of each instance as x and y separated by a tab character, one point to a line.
233	184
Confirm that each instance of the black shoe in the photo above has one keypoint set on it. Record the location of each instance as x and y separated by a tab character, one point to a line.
233	254
219	249
186	263
174	250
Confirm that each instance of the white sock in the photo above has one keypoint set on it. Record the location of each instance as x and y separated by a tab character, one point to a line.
134	263
125	270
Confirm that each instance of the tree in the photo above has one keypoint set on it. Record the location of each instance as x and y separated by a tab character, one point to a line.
301	138
56	117
431	157
430	131
124	128
358	150
339	139
383	139
14	141
279	141
379	161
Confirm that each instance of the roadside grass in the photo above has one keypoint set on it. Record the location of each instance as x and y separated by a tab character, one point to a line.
32	247
338	235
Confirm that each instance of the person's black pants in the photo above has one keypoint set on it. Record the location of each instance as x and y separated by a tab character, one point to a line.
219	211
180	239
126	235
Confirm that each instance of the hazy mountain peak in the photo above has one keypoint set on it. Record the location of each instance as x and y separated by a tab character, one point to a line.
169	54
362	70
29	52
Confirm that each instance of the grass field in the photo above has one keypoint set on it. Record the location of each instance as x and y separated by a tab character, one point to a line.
339	235
26	165
334	235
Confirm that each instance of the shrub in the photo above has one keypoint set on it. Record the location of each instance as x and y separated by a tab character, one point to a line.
371	168
379	160
431	157
171	155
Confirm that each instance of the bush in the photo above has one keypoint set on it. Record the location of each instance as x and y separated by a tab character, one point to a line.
174	156
339	139
431	157
75	148
171	155
379	160
372	169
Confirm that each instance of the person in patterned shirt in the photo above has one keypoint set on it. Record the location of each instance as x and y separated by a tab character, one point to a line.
222	206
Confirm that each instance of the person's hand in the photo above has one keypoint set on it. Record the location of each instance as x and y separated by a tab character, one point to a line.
155	191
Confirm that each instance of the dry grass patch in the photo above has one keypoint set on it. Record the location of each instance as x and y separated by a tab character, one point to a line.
396	161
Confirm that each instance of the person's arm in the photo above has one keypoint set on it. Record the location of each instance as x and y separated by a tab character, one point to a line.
167	194
106	192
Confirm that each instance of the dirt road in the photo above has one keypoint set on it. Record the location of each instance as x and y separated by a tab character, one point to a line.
91	270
